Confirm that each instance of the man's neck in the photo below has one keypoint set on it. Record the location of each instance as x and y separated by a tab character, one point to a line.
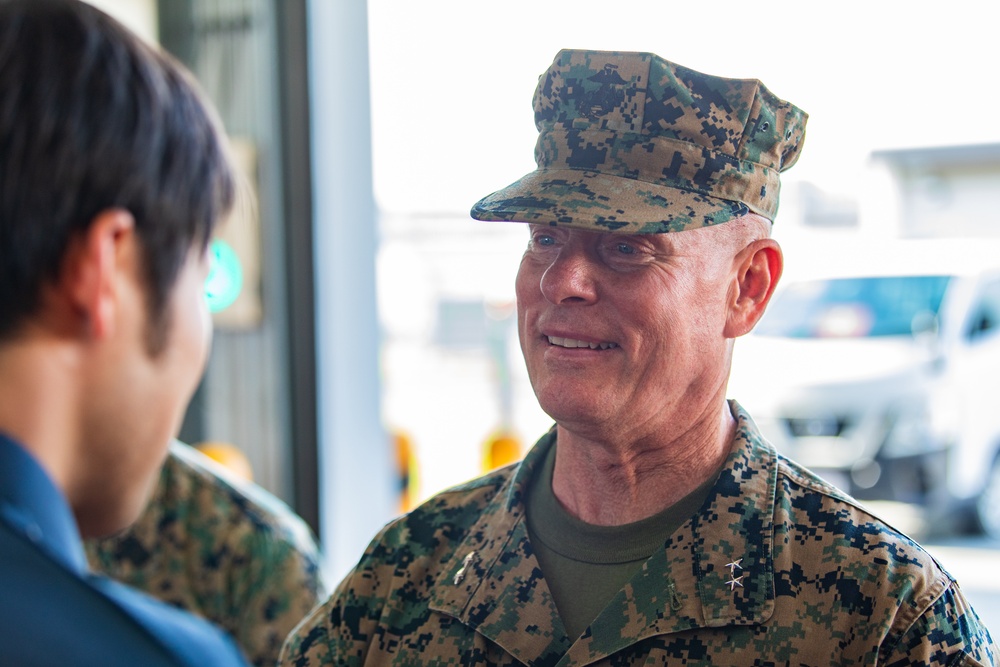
616	483
37	389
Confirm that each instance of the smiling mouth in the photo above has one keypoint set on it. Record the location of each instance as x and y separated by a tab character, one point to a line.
571	343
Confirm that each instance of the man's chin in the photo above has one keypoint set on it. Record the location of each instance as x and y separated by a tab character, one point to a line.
574	414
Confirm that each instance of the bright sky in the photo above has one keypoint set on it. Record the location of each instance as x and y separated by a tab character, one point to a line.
452	79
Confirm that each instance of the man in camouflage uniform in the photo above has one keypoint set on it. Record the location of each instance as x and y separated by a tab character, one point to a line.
653	524
220	547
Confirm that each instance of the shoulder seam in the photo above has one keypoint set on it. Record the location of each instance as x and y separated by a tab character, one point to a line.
911	613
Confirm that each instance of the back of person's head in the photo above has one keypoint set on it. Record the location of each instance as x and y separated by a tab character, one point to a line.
92	119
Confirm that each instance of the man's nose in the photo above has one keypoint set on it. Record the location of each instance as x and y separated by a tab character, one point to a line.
569	278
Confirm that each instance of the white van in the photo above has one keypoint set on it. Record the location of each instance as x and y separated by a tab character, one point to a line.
879	369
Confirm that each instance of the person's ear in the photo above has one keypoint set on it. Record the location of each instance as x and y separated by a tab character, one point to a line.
758	268
93	267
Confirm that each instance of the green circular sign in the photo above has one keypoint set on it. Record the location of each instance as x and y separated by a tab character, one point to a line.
225	276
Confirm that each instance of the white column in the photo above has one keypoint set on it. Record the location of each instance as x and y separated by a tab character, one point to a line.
356	469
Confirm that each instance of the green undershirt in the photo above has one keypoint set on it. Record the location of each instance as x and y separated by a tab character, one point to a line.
586	565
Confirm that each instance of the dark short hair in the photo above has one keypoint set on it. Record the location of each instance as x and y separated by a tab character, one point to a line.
91	119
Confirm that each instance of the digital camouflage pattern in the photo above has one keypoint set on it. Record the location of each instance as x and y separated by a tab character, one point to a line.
633	143
776	568
220	548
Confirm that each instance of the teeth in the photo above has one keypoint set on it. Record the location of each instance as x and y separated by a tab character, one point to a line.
571	343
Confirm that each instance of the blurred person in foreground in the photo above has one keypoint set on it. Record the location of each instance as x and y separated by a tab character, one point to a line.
652	524
113	174
222	547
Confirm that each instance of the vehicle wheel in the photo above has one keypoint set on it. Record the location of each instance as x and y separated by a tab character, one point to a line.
988	505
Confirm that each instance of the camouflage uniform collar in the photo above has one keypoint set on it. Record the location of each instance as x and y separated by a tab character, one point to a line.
494	574
713	571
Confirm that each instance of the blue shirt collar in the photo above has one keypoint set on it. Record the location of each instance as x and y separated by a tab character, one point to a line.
32	505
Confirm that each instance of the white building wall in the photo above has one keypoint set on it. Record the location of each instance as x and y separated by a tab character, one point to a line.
958	201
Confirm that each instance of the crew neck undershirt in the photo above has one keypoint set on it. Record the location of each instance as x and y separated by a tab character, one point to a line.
584	564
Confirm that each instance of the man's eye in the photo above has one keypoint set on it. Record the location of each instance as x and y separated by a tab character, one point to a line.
544	239
625	248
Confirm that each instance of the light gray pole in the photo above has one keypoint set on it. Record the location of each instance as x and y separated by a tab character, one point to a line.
356	467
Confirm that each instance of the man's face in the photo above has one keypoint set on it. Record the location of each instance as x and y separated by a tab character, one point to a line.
141	397
621	334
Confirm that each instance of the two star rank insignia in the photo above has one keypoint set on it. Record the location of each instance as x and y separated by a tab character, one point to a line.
735	581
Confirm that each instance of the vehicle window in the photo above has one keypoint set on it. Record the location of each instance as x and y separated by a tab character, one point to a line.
986	314
853	307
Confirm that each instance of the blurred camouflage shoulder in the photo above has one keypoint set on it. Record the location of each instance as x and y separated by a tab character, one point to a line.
222	548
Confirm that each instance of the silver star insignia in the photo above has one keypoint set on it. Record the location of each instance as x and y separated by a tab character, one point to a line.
735	565
460	575
735	581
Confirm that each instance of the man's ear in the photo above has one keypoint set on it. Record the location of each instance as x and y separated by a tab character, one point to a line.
92	268
758	270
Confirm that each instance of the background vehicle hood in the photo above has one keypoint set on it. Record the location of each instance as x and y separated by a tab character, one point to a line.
769	371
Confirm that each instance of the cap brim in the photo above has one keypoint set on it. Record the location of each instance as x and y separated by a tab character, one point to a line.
601	202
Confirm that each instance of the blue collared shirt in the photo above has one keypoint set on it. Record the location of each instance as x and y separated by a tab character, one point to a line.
54	612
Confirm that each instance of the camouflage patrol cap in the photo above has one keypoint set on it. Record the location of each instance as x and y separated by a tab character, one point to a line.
632	143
